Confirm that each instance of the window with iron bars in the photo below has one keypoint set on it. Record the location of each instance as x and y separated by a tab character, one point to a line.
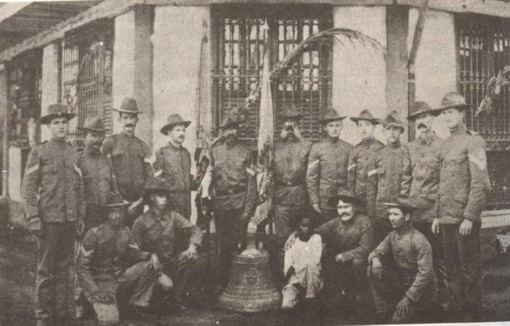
483	45
87	55
239	40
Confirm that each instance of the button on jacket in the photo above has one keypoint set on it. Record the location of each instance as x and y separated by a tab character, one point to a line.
98	177
354	239
233	179
465	183
413	255
359	161
174	165
389	175
53	186
327	170
291	160
425	163
130	157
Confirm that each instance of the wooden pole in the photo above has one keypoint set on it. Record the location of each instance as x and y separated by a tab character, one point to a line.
5	133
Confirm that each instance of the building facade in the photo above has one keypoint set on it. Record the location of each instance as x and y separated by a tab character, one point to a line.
202	58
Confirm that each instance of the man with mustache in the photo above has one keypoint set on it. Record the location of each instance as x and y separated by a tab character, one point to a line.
55	209
389	174
235	195
349	238
98	183
290	197
463	189
173	163
361	157
130	157
327	166
401	272
425	155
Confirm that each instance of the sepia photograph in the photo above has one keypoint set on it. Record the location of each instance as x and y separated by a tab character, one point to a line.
254	162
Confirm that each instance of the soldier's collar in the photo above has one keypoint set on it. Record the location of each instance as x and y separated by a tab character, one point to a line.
367	140
395	145
125	134
427	140
405	229
333	140
459	130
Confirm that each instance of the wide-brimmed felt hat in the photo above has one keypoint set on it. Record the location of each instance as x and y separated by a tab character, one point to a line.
394	119
367	116
231	120
93	124
419	108
128	105
290	112
115	200
156	185
332	115
344	195
452	100
174	120
401	202
57	110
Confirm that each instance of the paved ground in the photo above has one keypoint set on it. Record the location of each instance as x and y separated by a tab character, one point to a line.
17	275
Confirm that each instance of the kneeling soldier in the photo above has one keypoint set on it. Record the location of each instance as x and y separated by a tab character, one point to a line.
104	256
401	272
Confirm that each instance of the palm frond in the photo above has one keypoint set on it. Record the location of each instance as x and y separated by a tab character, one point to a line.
494	85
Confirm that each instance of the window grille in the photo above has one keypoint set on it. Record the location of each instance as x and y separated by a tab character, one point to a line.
239	39
483	45
87	74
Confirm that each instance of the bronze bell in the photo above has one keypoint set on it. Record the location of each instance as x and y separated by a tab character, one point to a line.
250	288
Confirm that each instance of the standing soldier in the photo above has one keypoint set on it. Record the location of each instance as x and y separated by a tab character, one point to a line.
173	163
425	155
389	175
327	166
361	156
463	190
235	195
130	157
55	209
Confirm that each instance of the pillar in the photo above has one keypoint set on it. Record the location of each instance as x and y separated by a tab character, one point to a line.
50	82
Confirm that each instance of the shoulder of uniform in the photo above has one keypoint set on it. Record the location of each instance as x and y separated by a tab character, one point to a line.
346	144
420	238
364	219
378	144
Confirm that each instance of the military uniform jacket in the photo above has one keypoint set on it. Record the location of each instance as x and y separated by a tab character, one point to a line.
425	163
360	159
234	180
53	186
354	239
158	234
412	253
131	165
389	175
174	165
327	170
98	178
105	253
465	183
291	160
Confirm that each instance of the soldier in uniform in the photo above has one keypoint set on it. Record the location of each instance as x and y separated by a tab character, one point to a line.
361	156
389	174
130	157
157	232
235	195
327	166
463	189
104	266
173	163
401	272
424	153
55	209
291	158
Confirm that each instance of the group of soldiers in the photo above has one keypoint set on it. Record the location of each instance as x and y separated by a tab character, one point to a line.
404	212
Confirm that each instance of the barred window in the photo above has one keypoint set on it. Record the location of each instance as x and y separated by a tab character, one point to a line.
239	38
483	45
87	55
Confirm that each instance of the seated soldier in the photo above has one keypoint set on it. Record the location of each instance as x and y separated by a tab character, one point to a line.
101	266
349	238
401	272
156	231
302	266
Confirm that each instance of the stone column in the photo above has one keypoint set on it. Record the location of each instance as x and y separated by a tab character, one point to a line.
359	72
132	66
50	80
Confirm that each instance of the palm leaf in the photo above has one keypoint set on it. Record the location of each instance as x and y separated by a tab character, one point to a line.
494	85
